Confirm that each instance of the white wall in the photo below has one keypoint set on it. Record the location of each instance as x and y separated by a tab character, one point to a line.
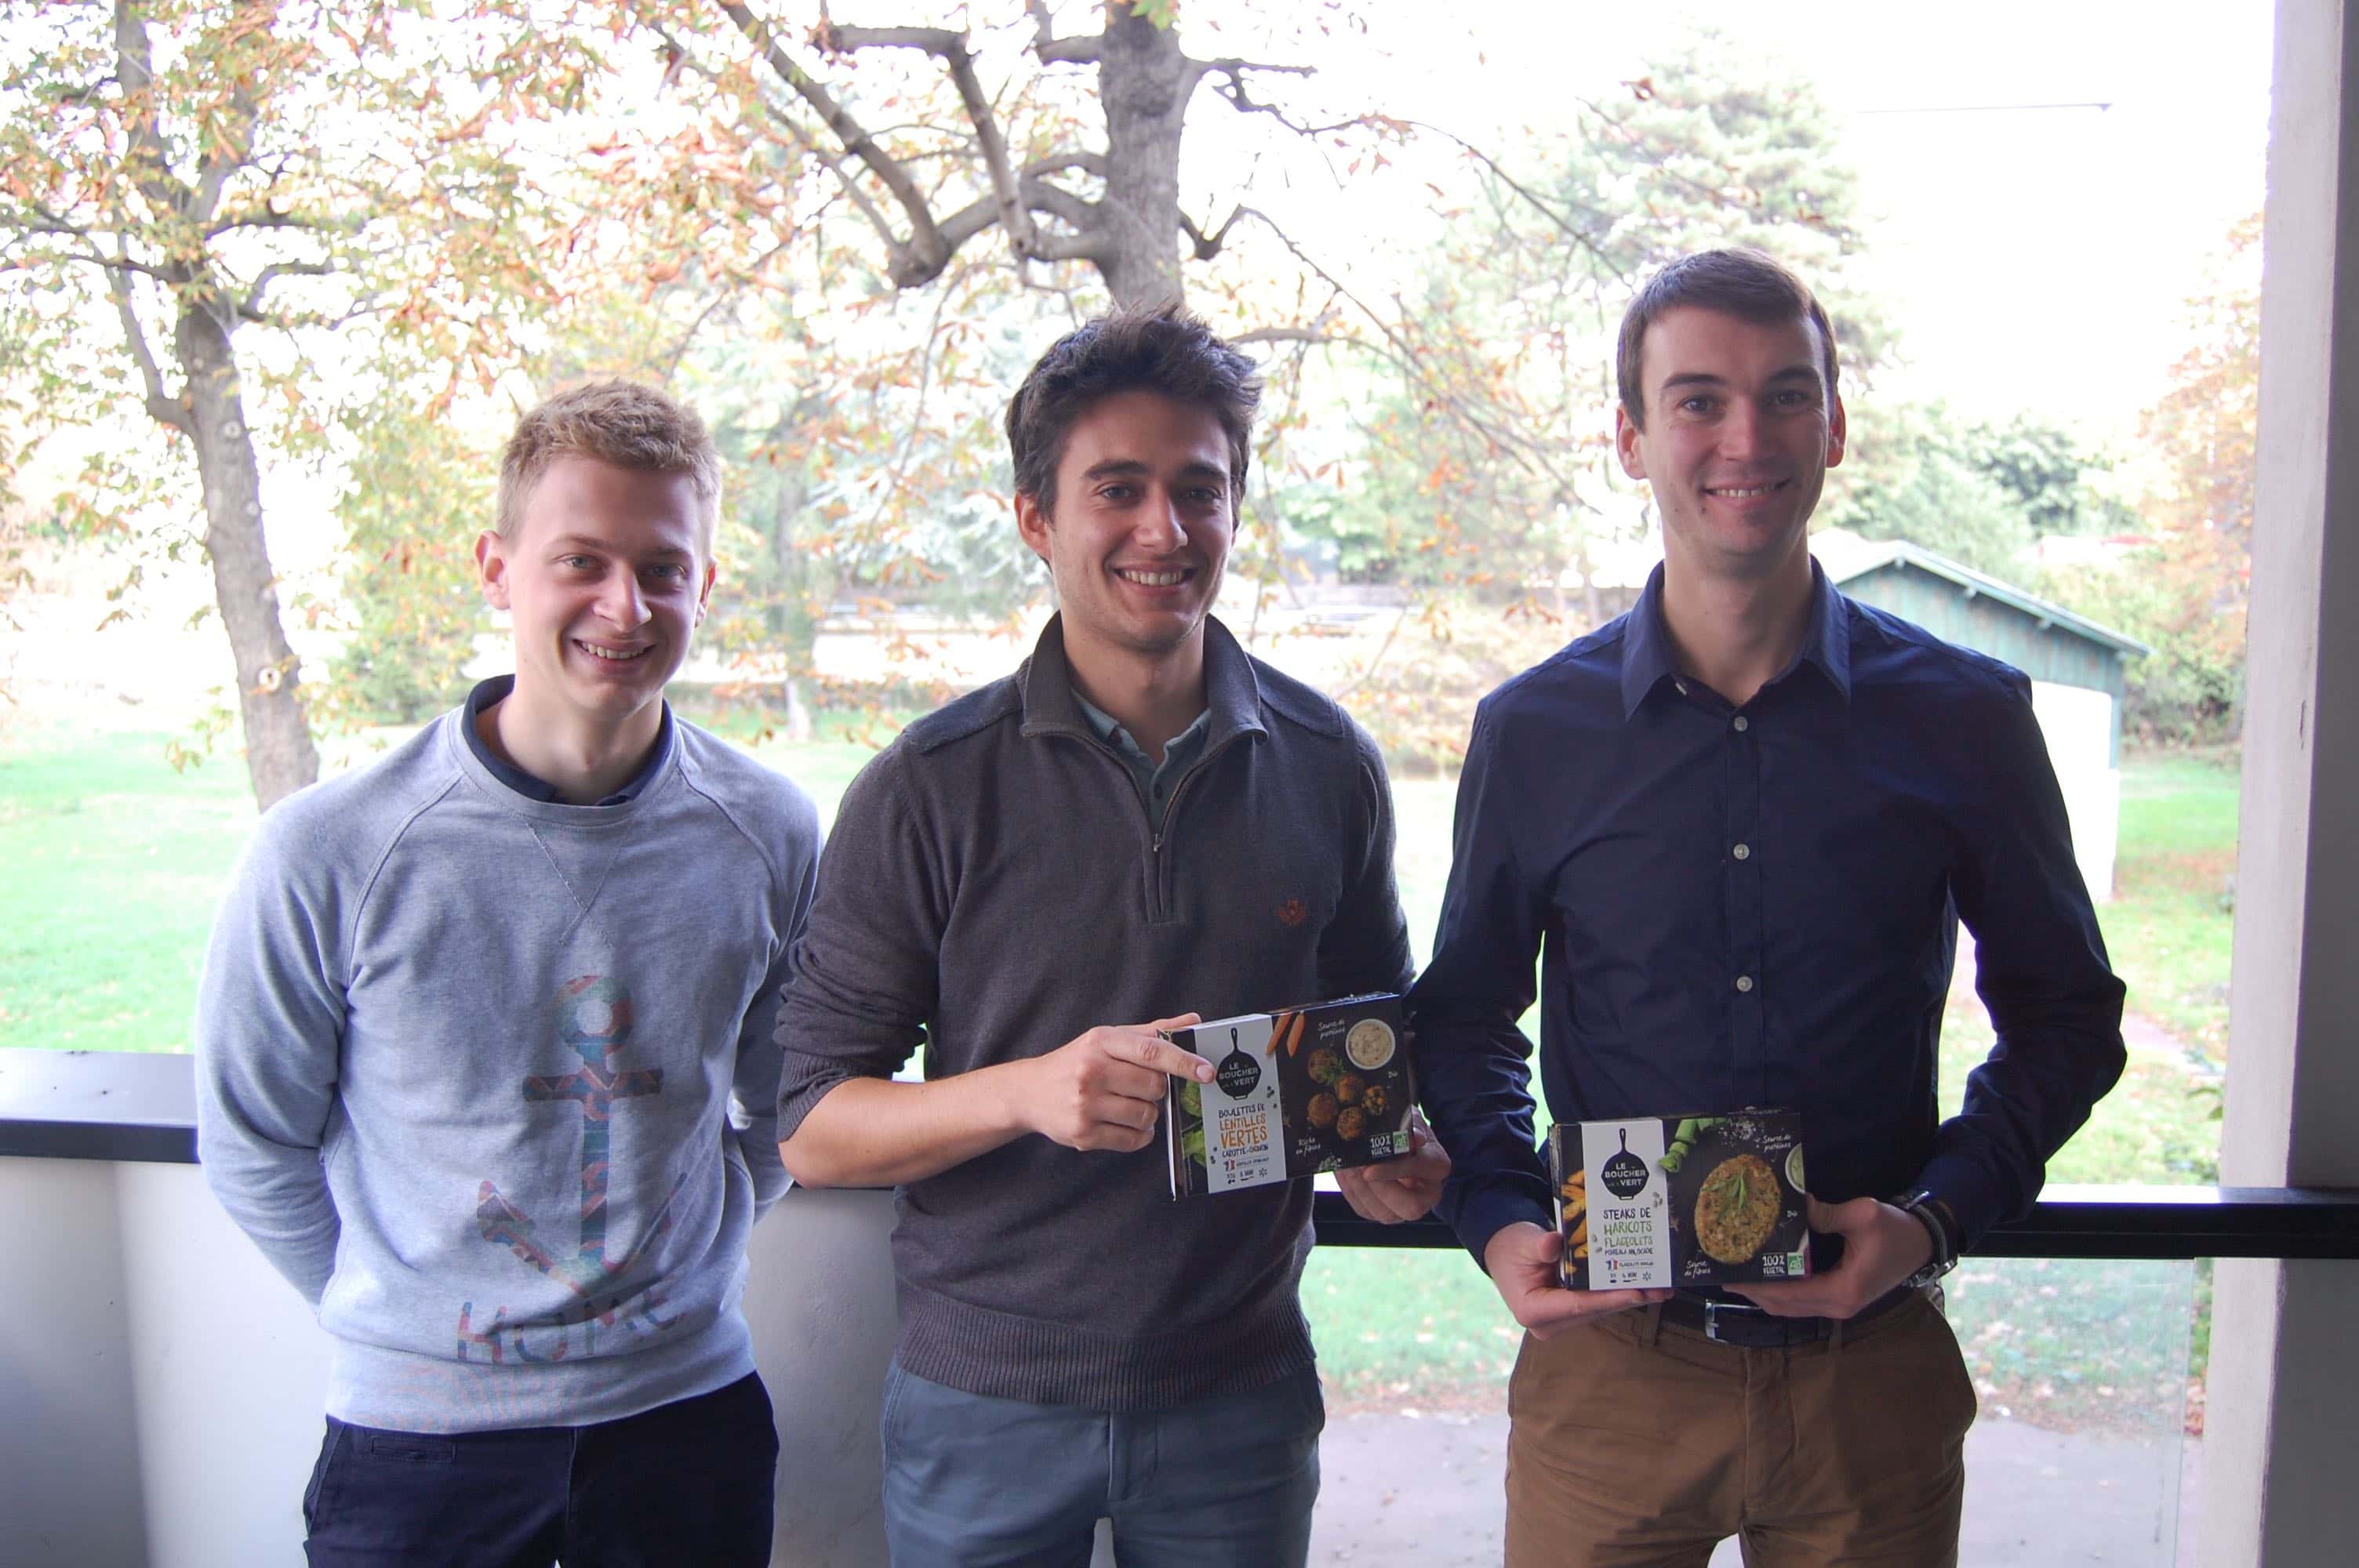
2284	1383
70	1472
160	1387
2078	724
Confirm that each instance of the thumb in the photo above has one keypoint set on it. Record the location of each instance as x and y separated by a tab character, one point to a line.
1166	1025
1549	1247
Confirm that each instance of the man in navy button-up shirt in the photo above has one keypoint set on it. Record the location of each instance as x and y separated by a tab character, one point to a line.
1737	827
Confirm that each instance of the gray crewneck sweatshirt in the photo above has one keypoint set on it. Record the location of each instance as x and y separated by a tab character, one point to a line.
491	1079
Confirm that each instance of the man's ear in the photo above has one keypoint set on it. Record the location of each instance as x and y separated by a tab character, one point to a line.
1626	444
704	594
1838	435
1032	523
492	569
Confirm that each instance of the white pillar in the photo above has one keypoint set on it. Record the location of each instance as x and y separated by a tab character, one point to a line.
2284	1407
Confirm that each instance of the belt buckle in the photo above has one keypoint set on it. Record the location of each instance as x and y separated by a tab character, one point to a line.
1711	1322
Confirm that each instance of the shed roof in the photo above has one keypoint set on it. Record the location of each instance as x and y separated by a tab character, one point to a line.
1846	555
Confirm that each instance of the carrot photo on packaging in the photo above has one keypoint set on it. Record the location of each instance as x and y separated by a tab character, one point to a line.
1293	1093
1647	1202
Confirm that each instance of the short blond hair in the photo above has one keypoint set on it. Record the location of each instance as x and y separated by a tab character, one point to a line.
617	422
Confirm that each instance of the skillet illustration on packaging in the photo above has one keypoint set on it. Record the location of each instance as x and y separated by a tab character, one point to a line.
1294	1092
1653	1201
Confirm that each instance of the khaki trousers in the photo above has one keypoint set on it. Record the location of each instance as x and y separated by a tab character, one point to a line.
1634	1444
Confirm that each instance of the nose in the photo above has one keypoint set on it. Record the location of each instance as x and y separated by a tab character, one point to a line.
1740	429
620	601
1159	526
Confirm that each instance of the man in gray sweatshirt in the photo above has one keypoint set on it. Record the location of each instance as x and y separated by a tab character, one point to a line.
1143	826
484	1061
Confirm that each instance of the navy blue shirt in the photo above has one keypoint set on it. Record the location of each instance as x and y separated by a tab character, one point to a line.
1759	906
491	693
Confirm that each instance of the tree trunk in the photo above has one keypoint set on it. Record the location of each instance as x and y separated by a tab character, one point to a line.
279	756
1142	86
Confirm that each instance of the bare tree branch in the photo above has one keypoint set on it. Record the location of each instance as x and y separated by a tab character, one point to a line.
1570	230
232	141
1234	71
1244	101
152	169
166	408
1287	335
923	254
1050	49
834	164
1208	246
270	218
949	48
1394	344
250	309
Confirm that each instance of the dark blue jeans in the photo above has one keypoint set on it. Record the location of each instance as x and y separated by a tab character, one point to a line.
686	1482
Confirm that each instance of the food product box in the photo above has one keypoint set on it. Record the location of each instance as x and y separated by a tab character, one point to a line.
1309	1089
1696	1200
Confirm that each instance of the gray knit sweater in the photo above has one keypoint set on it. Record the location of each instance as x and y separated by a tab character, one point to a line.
491	1080
993	887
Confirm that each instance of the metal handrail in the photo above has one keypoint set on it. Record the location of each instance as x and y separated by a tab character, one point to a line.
105	1105
2068	1221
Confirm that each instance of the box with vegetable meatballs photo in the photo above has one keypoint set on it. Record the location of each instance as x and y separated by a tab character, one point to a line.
1645	1202
1293	1093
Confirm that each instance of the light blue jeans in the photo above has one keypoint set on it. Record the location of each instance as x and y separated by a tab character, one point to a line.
1224	1482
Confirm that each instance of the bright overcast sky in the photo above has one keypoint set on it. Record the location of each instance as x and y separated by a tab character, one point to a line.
2035	257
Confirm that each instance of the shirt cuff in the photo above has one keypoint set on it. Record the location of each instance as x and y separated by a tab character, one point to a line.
1975	1199
1484	1211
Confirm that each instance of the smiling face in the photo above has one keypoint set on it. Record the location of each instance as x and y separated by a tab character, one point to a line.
1142	525
604	578
1740	431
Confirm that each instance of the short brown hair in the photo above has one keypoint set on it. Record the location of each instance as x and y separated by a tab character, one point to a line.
617	422
1738	281
1167	352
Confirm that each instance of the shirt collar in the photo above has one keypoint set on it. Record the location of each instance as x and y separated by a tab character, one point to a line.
1110	730
1647	643
496	690
1232	693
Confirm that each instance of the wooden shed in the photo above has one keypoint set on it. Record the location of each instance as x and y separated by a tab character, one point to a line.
2076	666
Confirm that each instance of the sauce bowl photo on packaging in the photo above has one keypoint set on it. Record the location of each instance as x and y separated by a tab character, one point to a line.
1293	1093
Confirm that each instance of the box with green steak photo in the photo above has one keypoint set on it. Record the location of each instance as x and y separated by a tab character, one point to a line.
1647	1201
1293	1093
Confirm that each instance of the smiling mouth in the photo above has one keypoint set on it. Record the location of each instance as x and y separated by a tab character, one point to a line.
1144	578
1746	493
611	655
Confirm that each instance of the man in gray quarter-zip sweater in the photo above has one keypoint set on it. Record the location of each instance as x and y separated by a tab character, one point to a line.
485	1054
1142	826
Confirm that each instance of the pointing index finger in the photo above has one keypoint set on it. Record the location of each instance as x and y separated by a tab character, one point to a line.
1151	1050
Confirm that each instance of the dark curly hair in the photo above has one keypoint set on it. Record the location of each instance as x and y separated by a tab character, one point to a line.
1167	352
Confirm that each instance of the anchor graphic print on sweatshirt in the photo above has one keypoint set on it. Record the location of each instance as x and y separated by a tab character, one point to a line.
594	1017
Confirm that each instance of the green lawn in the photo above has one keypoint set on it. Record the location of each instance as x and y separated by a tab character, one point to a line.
2170	921
115	861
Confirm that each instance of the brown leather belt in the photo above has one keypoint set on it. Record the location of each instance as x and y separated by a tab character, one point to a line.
1730	1321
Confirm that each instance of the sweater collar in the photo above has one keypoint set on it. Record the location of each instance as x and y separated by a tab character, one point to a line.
1232	693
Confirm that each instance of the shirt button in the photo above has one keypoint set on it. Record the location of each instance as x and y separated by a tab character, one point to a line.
1681	687
1744	982
1742	722
1742	851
